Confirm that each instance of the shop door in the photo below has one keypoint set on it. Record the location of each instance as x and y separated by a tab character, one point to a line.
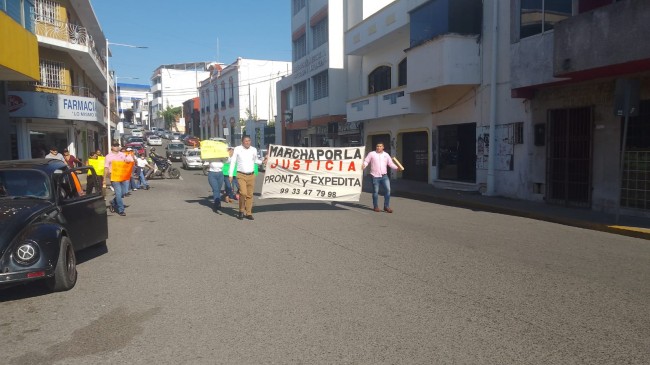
569	157
415	156
457	151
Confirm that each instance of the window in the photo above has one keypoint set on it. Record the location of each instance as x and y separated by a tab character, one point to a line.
298	5
401	73
301	93
231	101
52	74
539	16
46	11
300	48
438	17
319	33
321	86
379	80
223	94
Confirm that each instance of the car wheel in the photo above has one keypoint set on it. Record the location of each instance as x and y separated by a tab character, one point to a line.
65	272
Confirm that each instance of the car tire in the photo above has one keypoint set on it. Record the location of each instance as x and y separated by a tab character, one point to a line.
65	272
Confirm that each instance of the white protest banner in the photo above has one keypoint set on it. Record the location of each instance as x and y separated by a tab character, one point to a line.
313	173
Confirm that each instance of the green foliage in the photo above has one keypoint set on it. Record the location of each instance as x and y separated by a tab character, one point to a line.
171	116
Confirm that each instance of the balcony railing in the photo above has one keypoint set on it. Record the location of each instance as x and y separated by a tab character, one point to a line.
70	33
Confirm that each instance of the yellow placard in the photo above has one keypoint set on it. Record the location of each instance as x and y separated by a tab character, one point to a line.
121	171
97	164
211	150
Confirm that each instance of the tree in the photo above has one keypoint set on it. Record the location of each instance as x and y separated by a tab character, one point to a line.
171	116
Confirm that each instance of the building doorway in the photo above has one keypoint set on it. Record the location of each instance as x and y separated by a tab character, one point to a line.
42	140
569	157
635	191
415	156
457	151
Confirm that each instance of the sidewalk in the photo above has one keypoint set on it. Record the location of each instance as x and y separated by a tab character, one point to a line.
584	218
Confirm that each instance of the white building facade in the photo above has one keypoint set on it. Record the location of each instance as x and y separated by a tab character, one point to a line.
420	81
171	85
240	97
133	102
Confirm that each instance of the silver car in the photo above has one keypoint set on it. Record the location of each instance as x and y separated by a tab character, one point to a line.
192	159
154	140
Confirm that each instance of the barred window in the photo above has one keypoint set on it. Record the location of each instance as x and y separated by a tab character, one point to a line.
52	74
319	33
379	80
299	48
321	87
301	93
46	11
298	5
401	73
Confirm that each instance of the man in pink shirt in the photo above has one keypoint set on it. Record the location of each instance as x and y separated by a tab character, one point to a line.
379	162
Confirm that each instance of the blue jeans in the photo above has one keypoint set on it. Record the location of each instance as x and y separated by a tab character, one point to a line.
143	181
125	187
216	180
117	202
231	188
383	180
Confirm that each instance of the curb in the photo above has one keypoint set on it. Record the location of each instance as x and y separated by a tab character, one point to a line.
475	205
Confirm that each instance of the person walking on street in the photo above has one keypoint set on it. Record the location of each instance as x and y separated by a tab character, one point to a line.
215	179
118	186
245	158
141	164
379	162
54	154
231	188
96	183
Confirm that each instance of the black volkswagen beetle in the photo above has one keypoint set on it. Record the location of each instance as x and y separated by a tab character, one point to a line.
47	212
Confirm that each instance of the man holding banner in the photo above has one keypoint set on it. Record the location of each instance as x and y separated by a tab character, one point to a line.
117	169
245	158
97	163
379	162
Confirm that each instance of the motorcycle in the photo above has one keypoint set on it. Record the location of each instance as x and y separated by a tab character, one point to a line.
162	168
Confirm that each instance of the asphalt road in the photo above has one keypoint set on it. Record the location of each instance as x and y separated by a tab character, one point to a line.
336	283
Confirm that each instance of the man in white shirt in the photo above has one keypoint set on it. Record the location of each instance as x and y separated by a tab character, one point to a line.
245	158
54	154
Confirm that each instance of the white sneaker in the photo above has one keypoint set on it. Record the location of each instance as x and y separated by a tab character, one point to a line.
111	188
135	189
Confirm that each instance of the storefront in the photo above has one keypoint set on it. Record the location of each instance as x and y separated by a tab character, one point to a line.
42	120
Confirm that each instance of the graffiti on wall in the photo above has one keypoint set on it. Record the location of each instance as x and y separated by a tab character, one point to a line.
504	147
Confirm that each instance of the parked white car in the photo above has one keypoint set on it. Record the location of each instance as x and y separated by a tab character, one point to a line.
192	159
154	140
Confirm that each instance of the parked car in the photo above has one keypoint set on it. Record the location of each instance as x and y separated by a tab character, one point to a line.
192	141
175	151
192	159
154	140
137	133
47	213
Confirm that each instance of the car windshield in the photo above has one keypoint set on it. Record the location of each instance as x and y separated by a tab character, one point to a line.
135	140
176	146
194	153
23	184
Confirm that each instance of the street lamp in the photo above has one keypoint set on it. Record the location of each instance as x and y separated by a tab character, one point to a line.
108	90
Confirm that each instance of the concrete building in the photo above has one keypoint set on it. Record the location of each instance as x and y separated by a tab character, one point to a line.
172	85
319	76
133	103
65	107
567	59
18	62
240	97
192	116
420	79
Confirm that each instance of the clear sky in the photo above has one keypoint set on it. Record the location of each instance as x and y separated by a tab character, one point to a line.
189	31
